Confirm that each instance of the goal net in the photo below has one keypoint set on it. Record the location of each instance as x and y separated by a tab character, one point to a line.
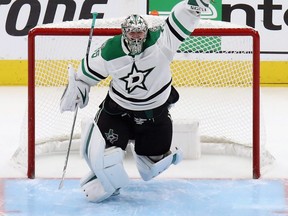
216	72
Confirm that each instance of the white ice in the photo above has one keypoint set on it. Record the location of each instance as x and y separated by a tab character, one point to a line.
275	109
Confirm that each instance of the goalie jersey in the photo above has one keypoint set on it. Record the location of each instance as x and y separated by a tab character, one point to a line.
143	81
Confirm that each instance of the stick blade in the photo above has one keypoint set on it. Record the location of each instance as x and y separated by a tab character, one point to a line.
62	181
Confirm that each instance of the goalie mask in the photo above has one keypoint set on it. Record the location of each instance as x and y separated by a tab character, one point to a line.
134	31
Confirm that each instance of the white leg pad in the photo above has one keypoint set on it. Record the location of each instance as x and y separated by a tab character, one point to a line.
93	188
149	169
106	165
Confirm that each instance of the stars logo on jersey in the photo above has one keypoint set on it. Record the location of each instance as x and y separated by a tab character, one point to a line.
111	136
136	78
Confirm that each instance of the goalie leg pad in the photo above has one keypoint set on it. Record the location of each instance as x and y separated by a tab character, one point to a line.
87	178
93	188
149	169
105	164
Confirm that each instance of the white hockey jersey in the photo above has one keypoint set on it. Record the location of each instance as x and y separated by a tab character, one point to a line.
143	81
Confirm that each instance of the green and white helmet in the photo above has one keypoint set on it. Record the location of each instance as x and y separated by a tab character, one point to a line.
134	23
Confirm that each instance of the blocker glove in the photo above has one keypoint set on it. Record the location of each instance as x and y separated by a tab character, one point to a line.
199	5
75	94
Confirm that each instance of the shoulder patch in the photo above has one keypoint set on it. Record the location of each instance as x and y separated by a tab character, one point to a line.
112	49
152	37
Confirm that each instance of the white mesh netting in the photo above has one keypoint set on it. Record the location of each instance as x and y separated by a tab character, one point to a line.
213	74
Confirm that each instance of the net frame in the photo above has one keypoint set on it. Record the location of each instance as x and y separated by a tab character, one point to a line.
203	31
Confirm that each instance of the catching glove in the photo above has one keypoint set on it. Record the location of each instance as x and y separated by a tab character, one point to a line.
75	94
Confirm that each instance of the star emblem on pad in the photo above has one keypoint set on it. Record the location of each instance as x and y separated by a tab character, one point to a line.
136	78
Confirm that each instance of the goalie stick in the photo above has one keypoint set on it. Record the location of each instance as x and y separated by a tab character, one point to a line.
76	111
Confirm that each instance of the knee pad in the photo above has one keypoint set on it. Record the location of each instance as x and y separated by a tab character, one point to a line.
149	169
107	172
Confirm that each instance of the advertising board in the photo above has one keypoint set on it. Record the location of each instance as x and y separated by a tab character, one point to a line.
17	17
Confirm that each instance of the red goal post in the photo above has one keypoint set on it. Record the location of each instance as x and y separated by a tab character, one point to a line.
203	31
